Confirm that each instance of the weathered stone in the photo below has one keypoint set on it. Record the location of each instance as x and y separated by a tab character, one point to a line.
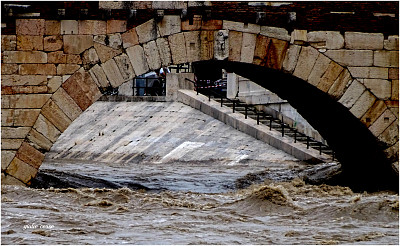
29	42
25	117
24	101
291	58
357	58
74	59
363	104
98	76
125	67
76	44
30	155
30	27
164	50
115	40
52	27
53	43
69	27
363	41
11	144
7	179
37	69
37	140
138	60
105	53
340	84
56	57
24	57
206	45
7	69
21	170
275	32
248	46
241	27
391	135
393	73
114	26
392	43
56	116
92	27
332	73
321	65
152	55
395	90
46	128
7	117
54	83
307	58
130	38
381	88
383	122
6	158
352	94
112	72
8	42
5	90
298	37
101	39
13	80
373	113
81	87
276	53
147	31
169	5
170	24
66	104
192	40
63	69
332	40
193	24
90	58
221	45
14	132
211	25
176	43
369	72
235	47
384	58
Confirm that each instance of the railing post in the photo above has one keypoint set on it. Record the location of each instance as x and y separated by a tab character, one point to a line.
283	129
222	100
234	104
320	148
245	111
295	136
308	142
258	118
270	123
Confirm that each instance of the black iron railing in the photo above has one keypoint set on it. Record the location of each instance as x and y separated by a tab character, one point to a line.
150	86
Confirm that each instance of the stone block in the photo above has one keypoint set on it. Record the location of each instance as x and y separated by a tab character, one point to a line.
381	88
37	69
56	57
328	79
10	180
363	41
30	155
291	58
14	132
5	90
356	58
126	89
276	53
211	25
307	58
248	46
169	5
383	58
340	84
6	157
390	136
11	144
164	51
7	117
275	32
76	44
114	40
39	141
125	67
90	58
395	90
138	60
363	104
54	83
101	39
66	104
46	128
25	117
352	94
393	73
98	76
332	40
8	42
92	27
241	27
52	27
193	24
392	43
373	113
7	69
369	72
383	122
33	27
114	26
130	38
29	42
192	40
169	25
147	31
25	101
74	59
69	27
13	80
24	57
56	116
63	69
221	45
112	72
105	53
81	87
320	66
152	55
21	171
235	47
298	37
206	45
176	44
53	43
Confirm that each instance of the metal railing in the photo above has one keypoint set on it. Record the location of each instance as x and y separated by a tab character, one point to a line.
146	86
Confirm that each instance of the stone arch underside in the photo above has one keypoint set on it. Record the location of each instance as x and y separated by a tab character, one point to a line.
109	60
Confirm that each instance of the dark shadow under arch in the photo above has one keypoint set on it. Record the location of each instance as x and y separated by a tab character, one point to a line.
364	164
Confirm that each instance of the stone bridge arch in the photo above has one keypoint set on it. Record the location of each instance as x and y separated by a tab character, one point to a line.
108	55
